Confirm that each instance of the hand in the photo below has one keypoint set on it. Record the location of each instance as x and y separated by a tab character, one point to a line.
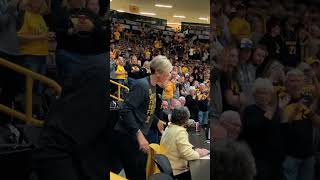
143	143
44	36
160	126
202	152
284	101
52	35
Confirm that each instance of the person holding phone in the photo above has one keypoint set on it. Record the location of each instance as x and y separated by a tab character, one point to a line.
81	42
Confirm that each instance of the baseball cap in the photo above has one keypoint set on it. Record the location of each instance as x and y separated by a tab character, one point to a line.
246	43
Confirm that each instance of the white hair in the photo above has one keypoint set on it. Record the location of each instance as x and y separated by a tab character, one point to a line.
262	83
182	98
229	116
160	64
295	72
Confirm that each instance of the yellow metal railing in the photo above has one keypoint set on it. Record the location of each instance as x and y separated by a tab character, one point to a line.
30	77
118	97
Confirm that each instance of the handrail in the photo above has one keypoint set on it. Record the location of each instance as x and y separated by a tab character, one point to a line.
30	77
118	97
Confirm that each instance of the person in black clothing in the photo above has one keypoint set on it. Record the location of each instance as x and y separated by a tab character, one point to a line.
232	96
261	129
274	43
81	42
192	104
136	117
74	142
299	118
134	71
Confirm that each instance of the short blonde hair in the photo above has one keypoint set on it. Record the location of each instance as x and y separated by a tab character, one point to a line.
262	83
160	64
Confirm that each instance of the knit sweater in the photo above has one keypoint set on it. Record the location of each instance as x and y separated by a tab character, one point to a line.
176	146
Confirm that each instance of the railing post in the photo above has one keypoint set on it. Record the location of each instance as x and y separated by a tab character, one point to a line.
119	89
29	85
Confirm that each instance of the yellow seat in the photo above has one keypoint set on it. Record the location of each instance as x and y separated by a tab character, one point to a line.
114	176
151	165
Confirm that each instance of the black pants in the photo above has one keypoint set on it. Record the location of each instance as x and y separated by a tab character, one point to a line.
267	170
183	176
132	159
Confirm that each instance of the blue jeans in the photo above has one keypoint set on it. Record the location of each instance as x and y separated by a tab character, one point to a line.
298	169
36	64
73	66
203	117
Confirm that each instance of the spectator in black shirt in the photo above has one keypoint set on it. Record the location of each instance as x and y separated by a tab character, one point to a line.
262	130
81	42
134	71
136	117
298	121
192	104
233	98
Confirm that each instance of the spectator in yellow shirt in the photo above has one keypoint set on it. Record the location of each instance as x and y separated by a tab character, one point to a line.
34	39
157	44
239	27
169	90
176	146
116	35
121	73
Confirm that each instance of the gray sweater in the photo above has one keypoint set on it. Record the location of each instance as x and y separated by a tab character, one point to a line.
8	31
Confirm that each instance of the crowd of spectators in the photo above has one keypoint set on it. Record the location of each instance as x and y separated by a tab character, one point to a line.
265	85
130	60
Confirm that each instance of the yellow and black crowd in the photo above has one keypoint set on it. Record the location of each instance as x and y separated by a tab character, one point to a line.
265	81
182	99
255	88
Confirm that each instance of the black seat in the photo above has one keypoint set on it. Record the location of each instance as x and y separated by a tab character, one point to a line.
160	176
163	164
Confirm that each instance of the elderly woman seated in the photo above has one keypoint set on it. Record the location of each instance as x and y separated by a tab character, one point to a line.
176	146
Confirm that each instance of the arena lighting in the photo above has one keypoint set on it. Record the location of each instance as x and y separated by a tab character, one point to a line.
147	13
174	23
202	18
175	16
120	10
164	6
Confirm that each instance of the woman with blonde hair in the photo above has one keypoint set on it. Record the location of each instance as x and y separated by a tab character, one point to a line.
136	118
